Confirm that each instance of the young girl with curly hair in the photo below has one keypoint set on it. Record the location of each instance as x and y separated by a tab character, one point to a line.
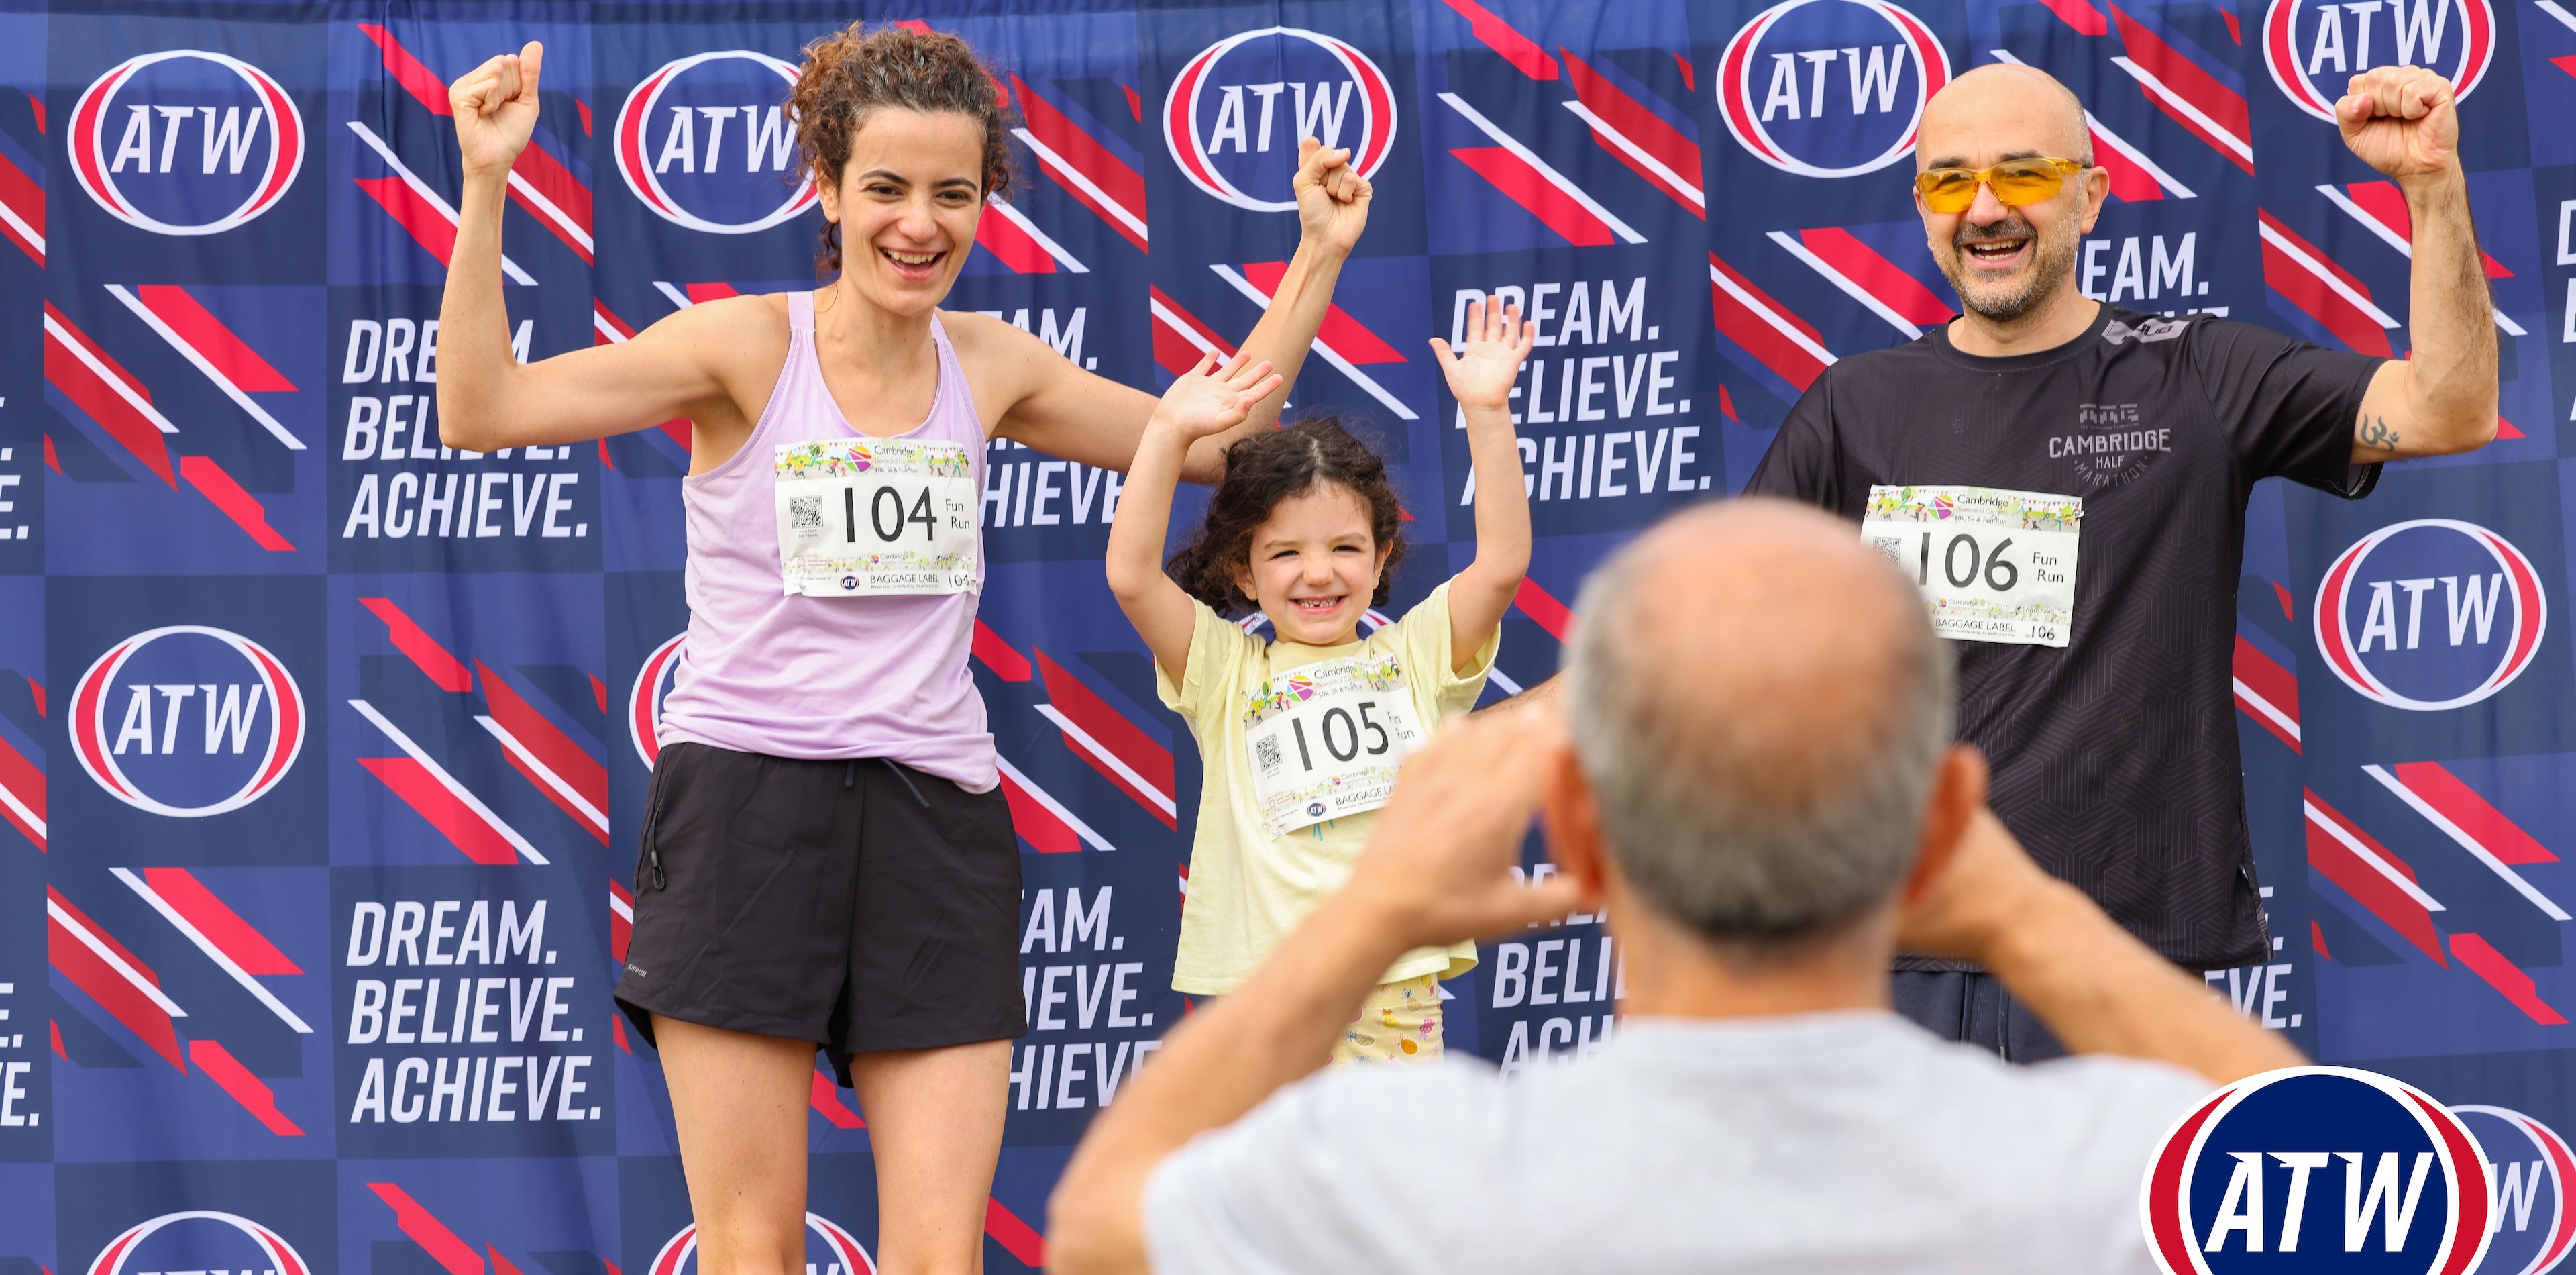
826	858
1300	734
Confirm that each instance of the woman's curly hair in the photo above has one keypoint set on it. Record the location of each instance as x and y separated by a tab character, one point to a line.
850	74
1264	469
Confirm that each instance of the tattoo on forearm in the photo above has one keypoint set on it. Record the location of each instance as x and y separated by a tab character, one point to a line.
2374	432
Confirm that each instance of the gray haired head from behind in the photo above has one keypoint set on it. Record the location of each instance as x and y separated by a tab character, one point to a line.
1760	706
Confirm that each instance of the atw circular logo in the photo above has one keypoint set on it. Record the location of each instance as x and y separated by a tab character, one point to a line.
199	1240
1830	88
707	142
644	699
1236	112
829	1250
2313	46
185	142
2318	1169
2530	1166
2430	614
187	721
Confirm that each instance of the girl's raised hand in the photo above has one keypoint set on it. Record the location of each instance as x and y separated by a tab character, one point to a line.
1481	374
1211	400
496	108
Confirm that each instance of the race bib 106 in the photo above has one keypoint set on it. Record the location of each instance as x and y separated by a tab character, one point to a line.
1325	740
860	517
1994	565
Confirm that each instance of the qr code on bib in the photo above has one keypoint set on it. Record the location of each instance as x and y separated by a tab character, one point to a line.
1265	754
805	513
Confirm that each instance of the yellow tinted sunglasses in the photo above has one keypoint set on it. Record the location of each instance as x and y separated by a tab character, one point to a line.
2015	182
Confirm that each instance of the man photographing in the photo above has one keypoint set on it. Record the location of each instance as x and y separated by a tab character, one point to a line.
2066	481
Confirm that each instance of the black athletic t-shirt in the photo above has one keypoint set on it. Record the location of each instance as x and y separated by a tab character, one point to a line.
2114	756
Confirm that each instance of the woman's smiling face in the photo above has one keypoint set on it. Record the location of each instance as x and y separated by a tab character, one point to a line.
907	203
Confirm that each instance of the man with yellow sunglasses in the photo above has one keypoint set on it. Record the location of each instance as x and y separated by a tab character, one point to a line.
2066	482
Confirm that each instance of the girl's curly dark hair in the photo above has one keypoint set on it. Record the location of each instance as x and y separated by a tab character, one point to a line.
1264	469
848	75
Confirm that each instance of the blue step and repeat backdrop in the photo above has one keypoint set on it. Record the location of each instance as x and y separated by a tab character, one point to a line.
322	746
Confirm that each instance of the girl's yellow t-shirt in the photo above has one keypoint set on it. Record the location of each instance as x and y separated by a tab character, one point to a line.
1247	888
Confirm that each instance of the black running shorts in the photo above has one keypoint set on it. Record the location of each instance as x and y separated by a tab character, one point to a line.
862	905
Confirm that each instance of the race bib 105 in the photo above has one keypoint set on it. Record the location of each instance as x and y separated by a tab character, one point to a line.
860	517
1994	565
1325	740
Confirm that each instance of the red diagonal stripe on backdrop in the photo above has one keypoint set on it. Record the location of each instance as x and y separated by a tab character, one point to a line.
701	293
2129	183
26	784
104	984
2386	203
1542	606
208	336
2471	813
84	387
2567	64
219	1065
621	919
2282	229
538	167
223	927
2506	977
424	651
1639	125
1111	730
1500	36
1036	824
1012	246
25	200
423	84
1088	157
427	226
624	329
1000	656
2086	19
1738	323
1173	351
1349	337
427	1231
1524	185
1880	277
2337	863
539	735
431	800
2221	104
244	509
1016	1237
2277	686
825	1098
2299	284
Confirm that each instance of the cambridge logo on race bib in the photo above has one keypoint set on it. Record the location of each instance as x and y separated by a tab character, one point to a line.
1829	88
2318	1169
200	1241
2313	46
2430	614
202	142
1235	113
706	142
187	721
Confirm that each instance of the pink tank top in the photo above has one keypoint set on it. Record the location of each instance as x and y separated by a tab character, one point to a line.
815	677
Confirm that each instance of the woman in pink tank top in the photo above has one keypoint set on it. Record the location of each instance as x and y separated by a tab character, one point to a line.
826	859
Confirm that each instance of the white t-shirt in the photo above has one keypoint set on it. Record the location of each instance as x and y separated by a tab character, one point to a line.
1819	1144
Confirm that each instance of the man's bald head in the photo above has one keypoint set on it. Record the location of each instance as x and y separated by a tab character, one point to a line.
1759	705
2001	111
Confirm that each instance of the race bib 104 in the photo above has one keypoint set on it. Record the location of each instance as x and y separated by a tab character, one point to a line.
1325	740
1994	565
861	517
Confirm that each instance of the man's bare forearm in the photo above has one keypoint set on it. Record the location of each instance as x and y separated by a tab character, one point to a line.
2450	319
2103	992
